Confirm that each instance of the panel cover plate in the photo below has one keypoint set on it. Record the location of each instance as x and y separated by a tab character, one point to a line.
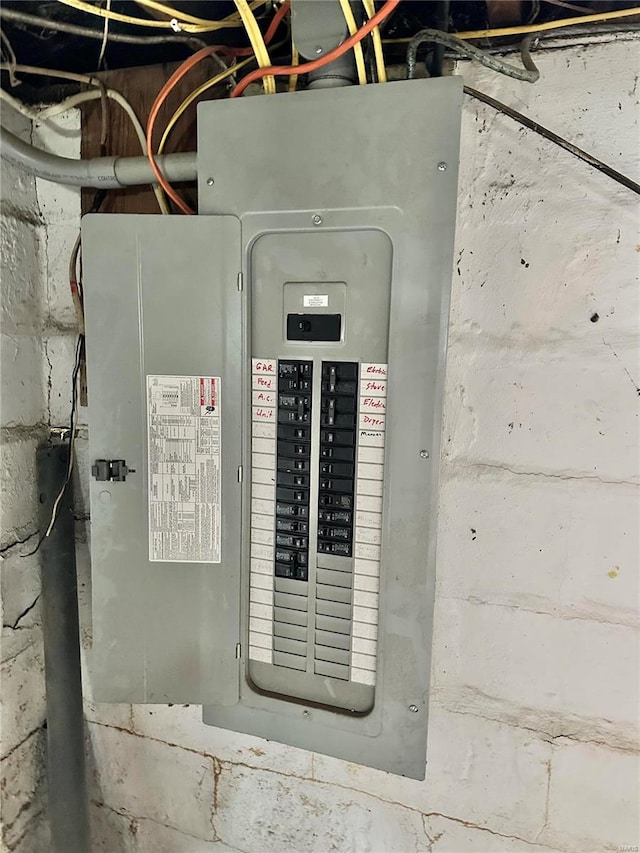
345	160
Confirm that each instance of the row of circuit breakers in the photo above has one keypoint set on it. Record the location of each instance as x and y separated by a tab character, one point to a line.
265	384
343	521
338	401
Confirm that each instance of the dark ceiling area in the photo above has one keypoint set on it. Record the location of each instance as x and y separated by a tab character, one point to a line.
29	28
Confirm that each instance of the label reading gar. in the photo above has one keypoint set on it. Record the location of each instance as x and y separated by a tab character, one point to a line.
185	475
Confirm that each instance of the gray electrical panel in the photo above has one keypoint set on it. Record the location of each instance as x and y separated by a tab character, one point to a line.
272	371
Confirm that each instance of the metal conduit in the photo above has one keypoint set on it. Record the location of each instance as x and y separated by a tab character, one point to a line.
99	172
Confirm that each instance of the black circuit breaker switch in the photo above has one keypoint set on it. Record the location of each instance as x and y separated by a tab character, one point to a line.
314	327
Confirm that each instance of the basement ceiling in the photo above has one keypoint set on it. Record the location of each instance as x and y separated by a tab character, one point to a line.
34	43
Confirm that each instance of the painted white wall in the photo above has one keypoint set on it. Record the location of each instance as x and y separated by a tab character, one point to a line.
533	737
24	415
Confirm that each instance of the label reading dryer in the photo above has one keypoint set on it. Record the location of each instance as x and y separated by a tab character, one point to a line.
185	477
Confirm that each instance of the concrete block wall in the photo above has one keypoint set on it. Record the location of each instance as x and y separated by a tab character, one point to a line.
533	734
38	226
24	417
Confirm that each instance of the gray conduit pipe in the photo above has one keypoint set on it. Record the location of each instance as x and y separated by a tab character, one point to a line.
100	172
66	770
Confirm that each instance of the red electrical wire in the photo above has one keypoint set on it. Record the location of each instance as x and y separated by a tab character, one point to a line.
175	78
337	52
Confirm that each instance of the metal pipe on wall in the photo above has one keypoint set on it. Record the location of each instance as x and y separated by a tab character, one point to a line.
99	172
66	772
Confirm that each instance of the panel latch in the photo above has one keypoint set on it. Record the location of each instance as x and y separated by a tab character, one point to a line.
111	469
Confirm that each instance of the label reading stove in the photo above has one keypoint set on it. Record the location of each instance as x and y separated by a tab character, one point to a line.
185	475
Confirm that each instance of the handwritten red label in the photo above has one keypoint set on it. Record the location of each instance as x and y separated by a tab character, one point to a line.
264	367
369	420
261	414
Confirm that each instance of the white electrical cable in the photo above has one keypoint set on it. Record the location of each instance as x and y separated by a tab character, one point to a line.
11	57
105	36
82	98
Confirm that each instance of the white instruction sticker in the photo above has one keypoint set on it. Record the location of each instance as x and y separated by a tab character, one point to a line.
315	300
185	475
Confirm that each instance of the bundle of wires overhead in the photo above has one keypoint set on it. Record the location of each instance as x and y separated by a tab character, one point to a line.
175	78
348	44
176	20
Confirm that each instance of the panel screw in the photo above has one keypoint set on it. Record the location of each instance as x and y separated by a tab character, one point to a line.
319	49
210	182
413	709
424	454
442	166
316	219
305	713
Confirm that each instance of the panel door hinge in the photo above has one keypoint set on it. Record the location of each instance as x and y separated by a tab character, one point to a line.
238	651
240	281
240	473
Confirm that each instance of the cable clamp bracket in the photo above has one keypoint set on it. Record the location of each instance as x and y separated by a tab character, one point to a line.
105	470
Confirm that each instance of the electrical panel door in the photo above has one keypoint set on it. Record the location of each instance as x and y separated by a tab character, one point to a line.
164	362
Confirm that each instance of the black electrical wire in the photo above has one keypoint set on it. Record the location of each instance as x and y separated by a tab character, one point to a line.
442	23
609	171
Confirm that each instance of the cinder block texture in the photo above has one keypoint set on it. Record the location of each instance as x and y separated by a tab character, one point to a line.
144	777
23	792
594	796
23	413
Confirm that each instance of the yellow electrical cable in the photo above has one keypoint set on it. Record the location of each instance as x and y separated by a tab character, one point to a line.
295	60
347	11
151	22
537	28
233	20
370	9
208	84
257	43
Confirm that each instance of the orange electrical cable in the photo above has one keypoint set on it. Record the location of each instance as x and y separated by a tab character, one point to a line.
337	52
175	78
